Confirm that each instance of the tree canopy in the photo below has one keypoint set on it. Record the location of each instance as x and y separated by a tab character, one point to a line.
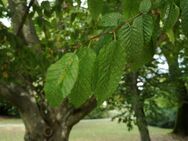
61	58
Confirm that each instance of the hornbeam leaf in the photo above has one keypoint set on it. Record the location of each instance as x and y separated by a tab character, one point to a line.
145	24
132	40
82	89
111	19
60	79
145	6
109	69
130	7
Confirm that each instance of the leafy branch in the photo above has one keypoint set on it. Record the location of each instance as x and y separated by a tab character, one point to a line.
128	21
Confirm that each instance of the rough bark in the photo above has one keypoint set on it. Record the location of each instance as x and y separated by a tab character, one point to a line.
138	107
21	22
43	123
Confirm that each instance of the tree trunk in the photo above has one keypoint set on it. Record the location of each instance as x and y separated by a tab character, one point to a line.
43	123
141	120
138	107
175	76
181	126
45	133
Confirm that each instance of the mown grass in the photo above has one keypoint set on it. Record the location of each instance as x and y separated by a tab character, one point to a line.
88	130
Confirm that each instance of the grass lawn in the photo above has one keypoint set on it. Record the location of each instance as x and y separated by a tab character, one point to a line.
88	130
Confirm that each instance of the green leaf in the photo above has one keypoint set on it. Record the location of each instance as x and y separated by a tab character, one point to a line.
109	69
60	79
145	24
102	41
145	6
184	15
95	7
111	19
82	89
130	7
171	16
132	40
170	35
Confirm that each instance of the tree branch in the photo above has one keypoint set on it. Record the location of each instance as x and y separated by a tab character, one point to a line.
24	17
82	111
22	24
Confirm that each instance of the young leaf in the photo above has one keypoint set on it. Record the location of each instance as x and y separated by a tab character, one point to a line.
110	65
60	79
82	89
145	6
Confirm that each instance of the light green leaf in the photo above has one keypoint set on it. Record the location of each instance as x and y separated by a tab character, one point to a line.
109	69
111	19
82	89
170	35
145	6
60	79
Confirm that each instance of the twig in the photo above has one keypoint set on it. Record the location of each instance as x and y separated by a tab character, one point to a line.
77	45
24	17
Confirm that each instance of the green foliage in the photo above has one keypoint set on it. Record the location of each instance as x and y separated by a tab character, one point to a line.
145	24
136	39
122	33
130	7
98	113
133	44
184	15
145	6
95	7
82	89
61	78
170	16
109	68
111	19
6	109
